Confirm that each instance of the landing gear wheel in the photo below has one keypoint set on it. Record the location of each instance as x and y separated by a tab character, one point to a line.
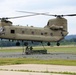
58	44
25	43
48	43
17	43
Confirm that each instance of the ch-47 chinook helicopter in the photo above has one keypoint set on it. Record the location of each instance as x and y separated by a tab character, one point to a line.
54	31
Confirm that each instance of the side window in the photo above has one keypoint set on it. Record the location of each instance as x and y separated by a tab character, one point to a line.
41	33
23	32
45	33
32	32
12	31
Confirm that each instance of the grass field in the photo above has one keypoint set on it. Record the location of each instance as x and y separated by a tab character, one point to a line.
10	61
65	49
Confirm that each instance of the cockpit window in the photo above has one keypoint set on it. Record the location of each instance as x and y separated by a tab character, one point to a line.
1	29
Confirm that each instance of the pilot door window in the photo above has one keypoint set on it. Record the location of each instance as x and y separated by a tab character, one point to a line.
12	31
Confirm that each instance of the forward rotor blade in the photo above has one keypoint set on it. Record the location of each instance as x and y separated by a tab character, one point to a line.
20	16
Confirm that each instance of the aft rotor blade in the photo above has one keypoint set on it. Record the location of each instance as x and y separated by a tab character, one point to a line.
36	13
70	15
28	12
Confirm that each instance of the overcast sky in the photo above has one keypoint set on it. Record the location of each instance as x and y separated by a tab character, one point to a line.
8	8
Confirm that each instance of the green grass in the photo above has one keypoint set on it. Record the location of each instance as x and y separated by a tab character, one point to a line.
63	49
10	49
12	61
66	49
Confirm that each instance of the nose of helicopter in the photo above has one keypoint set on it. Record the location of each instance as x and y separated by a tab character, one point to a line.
1	30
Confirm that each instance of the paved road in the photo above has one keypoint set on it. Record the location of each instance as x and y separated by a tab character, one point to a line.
36	67
54	55
40	67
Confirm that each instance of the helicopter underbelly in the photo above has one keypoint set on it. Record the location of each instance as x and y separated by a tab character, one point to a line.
32	38
37	38
15	34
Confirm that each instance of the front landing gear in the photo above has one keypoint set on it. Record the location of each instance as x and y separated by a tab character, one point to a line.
58	44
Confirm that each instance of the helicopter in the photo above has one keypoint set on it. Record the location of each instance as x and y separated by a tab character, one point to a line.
54	31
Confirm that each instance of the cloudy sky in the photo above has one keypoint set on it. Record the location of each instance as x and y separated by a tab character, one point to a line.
8	8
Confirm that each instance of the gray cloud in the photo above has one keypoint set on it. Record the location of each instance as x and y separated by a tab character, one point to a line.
9	7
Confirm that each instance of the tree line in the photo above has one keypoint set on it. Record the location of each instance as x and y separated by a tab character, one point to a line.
7	43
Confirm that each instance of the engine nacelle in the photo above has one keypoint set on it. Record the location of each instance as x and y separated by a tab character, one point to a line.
58	23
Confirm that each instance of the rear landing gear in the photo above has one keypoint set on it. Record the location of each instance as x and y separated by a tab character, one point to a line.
25	43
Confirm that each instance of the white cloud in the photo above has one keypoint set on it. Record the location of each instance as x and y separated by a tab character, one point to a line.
9	8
